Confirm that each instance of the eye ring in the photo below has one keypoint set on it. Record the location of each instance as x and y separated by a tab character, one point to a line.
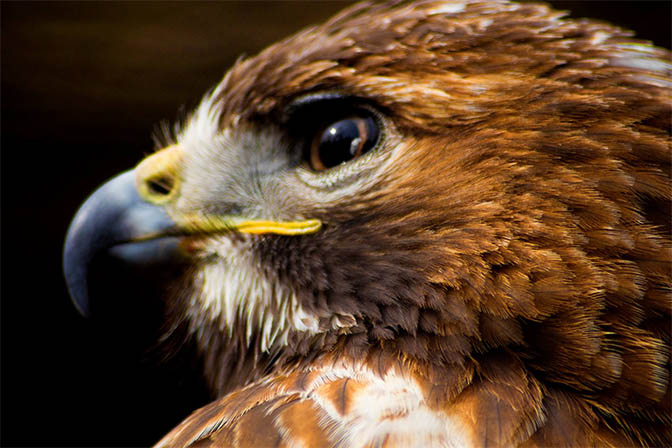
342	140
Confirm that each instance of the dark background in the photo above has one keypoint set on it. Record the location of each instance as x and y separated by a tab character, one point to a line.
83	86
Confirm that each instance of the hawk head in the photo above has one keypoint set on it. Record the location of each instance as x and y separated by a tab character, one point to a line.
473	189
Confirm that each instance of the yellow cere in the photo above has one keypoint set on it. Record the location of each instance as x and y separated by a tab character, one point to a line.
161	168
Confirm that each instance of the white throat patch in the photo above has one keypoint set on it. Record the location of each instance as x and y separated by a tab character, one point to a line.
232	292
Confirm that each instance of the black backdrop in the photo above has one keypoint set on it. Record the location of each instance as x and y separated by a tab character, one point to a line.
83	86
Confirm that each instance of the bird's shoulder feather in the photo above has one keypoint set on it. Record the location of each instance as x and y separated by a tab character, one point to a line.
324	405
394	404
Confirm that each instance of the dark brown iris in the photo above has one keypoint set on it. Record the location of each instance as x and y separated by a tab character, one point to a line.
342	141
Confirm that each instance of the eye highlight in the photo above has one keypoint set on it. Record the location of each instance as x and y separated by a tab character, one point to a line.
341	141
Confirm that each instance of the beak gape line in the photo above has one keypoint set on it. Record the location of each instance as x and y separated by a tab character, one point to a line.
207	224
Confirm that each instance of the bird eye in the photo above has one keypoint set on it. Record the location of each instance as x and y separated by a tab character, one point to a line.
342	141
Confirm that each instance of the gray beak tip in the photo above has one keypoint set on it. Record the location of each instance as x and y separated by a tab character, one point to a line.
113	216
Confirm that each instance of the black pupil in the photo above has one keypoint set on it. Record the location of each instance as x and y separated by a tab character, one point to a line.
347	139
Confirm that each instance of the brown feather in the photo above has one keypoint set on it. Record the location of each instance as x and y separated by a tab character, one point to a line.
514	263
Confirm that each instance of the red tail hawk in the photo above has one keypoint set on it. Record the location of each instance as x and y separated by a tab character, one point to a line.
418	224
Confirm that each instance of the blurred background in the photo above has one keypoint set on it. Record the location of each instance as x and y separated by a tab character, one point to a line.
84	84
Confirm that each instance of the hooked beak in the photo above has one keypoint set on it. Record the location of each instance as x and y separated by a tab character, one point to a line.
127	219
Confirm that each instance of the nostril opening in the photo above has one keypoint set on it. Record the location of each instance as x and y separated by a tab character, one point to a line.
160	186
